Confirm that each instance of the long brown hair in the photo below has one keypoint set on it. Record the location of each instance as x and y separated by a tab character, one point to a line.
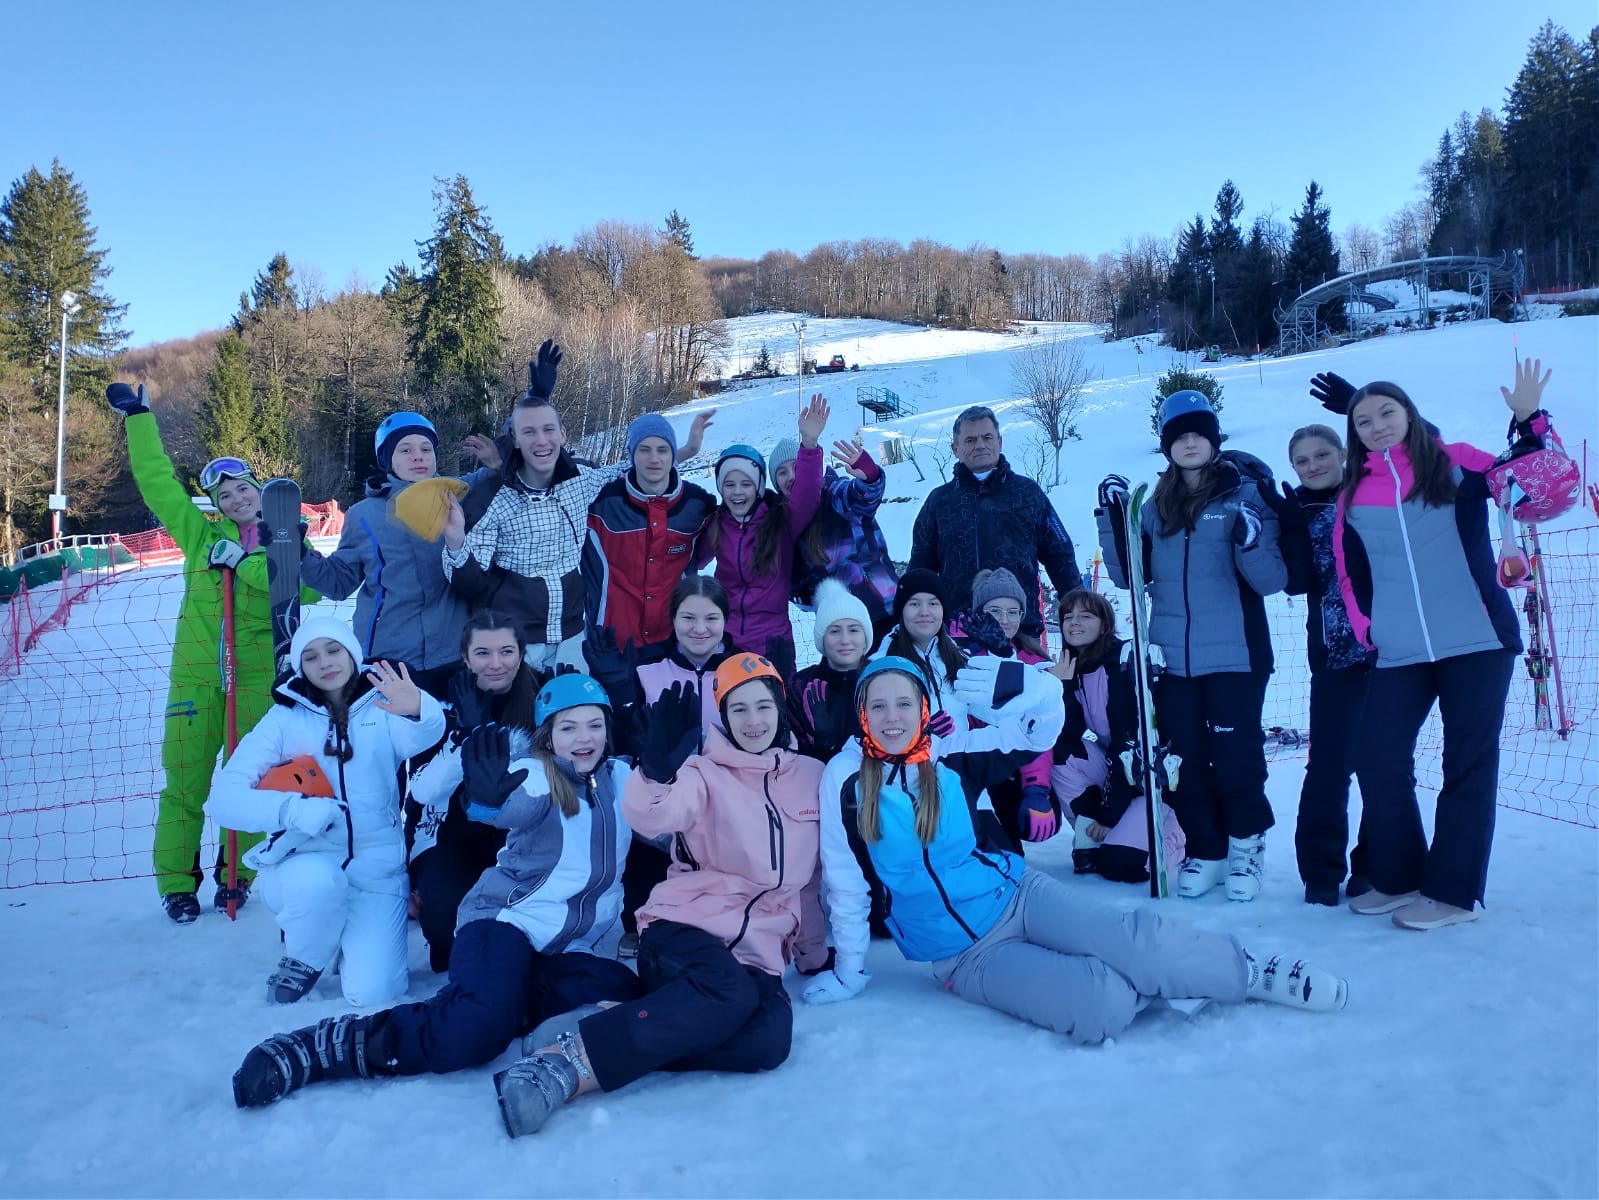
562	792
1180	506
769	532
1092	655
950	655
1430	471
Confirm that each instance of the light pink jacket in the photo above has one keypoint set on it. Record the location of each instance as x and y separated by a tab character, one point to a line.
746	851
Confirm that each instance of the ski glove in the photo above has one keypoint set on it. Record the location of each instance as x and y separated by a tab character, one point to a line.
1113	490
125	400
1246	528
671	733
988	683
841	983
264	535
541	375
226	553
311	815
610	664
1039	820
1333	391
486	767
984	631
941	724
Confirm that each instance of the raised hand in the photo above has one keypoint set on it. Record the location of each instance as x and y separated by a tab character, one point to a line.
1332	391
1527	397
984	631
671	733
610	664
125	400
397	694
484	450
846	452
696	434
813	419
486	766
541	374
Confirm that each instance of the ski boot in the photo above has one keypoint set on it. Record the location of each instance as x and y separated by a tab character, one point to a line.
346	1047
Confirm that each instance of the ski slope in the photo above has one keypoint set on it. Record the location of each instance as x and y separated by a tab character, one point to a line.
1467	1063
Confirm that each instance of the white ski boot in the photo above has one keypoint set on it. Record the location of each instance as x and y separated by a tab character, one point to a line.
1296	983
1246	863
532	1088
1200	875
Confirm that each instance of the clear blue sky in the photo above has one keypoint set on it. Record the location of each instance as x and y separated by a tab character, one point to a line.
211	136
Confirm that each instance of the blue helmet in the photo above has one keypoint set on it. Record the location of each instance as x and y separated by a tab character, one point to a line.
567	691
396	426
742	457
1188	411
891	662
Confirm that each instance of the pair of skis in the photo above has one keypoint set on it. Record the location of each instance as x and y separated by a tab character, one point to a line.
1149	763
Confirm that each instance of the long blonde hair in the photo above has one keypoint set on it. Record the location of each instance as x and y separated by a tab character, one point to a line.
926	802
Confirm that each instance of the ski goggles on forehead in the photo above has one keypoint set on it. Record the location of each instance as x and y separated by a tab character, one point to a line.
217	470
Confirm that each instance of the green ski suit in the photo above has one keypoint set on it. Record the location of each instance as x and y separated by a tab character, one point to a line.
196	701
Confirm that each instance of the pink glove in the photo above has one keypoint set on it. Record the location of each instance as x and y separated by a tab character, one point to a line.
1039	817
941	724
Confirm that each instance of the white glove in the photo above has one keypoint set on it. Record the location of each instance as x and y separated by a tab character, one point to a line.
226	553
311	815
841	983
992	688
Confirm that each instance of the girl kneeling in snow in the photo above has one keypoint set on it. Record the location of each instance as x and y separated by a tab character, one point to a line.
536	936
899	805
333	870
741	902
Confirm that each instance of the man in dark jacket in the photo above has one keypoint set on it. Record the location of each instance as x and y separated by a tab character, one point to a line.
988	517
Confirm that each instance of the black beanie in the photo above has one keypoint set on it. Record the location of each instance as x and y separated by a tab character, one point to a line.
918	579
1204	424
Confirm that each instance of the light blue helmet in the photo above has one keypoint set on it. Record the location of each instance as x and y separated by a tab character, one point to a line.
567	691
890	662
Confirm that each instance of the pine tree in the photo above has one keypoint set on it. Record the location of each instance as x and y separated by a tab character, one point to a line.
456	338
272	291
228	422
1181	379
677	232
1313	255
48	248
1186	284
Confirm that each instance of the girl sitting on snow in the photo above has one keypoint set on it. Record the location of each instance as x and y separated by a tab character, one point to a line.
333	870
1416	569
824	715
537	934
752	537
740	904
1088	775
899	805
450	851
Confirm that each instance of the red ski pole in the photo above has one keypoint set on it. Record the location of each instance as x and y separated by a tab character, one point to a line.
231	729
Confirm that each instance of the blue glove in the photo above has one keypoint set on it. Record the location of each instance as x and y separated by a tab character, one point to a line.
541	375
486	767
1039	820
125	400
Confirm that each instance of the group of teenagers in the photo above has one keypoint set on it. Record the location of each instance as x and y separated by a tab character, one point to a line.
560	746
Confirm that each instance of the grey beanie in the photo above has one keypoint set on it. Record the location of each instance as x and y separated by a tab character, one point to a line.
998	584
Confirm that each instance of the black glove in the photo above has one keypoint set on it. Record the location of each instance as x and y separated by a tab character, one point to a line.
541	374
1113	490
1246	528
983	630
263	533
125	400
486	766
1278	502
613	667
1333	391
671	733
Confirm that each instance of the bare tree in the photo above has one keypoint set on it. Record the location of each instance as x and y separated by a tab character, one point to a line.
1051	376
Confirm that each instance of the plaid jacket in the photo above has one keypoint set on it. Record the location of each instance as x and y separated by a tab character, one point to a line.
522	556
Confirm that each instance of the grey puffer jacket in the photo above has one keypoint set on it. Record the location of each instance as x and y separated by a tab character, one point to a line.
1205	607
406	611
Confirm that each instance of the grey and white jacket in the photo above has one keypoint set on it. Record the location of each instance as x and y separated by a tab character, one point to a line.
1205	592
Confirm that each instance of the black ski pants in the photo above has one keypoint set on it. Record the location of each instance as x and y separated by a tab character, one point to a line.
1470	691
443	875
499	989
647	865
1213	722
702	1010
1321	838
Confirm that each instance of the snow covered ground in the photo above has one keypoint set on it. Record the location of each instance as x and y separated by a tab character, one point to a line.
1467	1063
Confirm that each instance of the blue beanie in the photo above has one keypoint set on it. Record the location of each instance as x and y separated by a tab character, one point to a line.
647	426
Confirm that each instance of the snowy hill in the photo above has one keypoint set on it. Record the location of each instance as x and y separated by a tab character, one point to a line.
1467	1062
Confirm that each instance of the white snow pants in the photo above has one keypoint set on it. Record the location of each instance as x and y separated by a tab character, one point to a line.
1086	970
325	910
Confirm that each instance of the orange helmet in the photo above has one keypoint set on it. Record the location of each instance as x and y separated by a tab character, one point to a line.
740	668
297	775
